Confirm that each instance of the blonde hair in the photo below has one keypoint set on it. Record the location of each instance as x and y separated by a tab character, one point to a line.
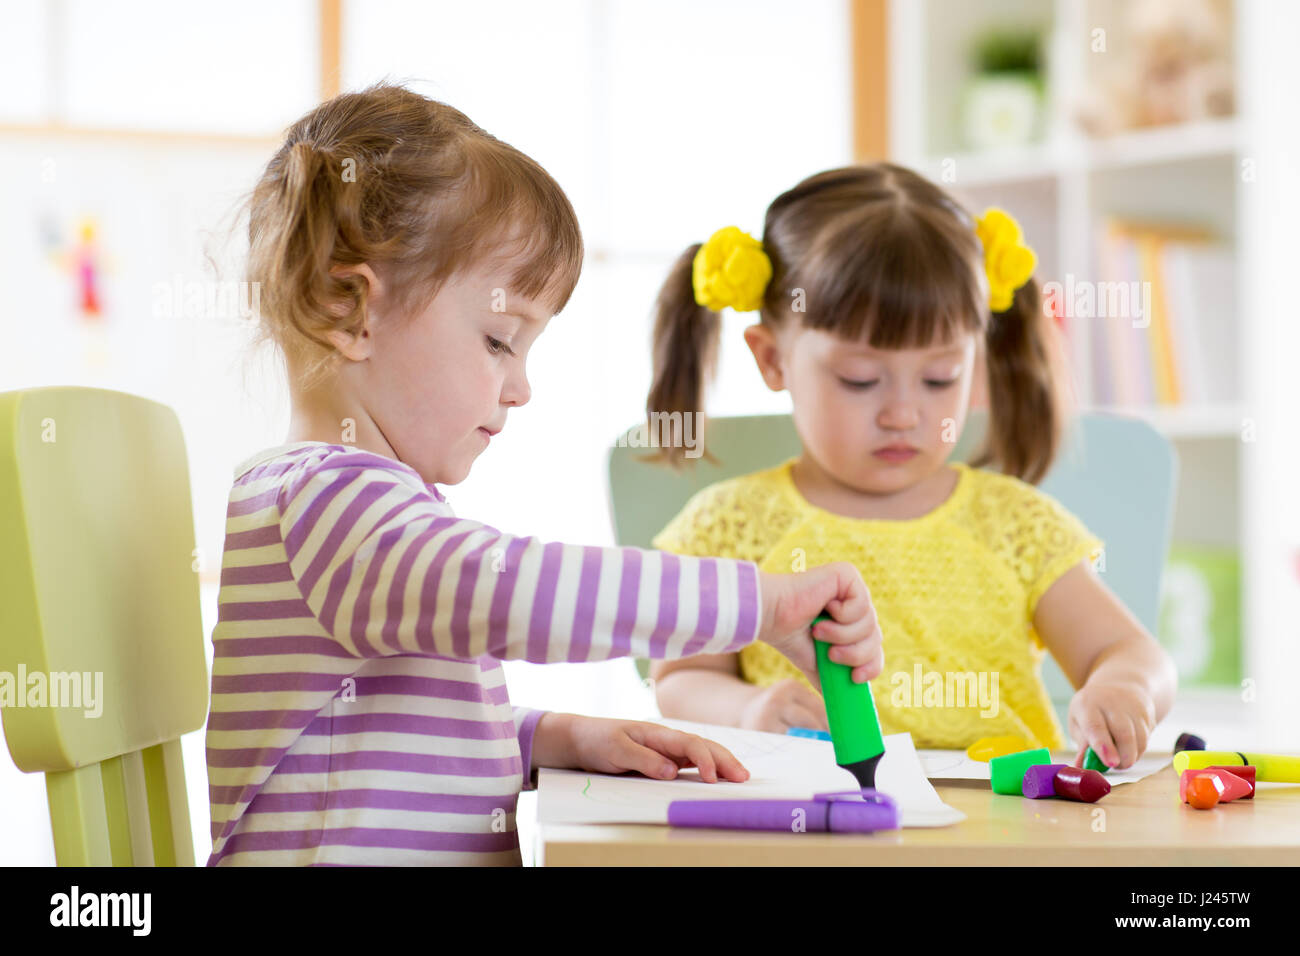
410	186
882	253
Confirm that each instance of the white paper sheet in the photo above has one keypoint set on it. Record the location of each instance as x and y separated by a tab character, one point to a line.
780	767
955	765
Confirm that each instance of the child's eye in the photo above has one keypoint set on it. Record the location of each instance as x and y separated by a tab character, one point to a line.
496	346
940	383
858	386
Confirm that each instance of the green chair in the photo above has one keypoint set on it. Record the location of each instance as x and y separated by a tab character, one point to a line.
1117	475
97	577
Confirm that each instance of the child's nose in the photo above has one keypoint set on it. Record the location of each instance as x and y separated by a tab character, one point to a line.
517	391
898	413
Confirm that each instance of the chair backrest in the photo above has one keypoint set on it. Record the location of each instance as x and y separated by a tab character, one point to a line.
99	611
1117	475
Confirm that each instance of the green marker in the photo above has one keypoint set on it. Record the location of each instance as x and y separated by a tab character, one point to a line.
1092	762
855	727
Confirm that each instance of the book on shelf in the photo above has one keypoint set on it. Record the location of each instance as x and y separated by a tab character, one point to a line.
1157	326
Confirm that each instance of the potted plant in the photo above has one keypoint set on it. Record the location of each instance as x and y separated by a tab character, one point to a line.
1002	101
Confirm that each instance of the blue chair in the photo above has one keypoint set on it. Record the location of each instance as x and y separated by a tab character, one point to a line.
1117	475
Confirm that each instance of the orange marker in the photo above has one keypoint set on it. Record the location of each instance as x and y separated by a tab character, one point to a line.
1203	791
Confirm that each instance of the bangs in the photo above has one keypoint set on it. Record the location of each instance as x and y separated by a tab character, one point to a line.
897	275
497	204
517	209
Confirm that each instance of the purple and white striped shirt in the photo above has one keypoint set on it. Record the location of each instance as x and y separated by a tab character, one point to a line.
359	709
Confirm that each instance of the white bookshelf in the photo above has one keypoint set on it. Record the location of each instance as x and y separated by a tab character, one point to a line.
1151	147
1063	184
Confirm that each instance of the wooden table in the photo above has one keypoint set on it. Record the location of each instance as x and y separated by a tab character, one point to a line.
1136	824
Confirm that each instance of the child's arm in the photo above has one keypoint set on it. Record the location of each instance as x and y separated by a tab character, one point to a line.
385	569
1125	679
708	688
705	688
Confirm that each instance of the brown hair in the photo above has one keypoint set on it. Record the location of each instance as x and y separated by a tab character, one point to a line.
409	185
877	250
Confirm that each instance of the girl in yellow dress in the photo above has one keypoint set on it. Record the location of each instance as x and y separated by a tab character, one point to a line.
879	298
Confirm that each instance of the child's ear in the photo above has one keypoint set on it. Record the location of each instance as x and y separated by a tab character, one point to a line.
374	287
767	354
357	347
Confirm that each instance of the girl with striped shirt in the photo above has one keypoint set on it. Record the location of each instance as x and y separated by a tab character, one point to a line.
406	261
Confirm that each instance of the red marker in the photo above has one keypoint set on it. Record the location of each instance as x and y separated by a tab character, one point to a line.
1229	785
1246	773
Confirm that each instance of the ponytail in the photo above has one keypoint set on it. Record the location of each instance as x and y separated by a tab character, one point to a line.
685	347
296	234
1025	384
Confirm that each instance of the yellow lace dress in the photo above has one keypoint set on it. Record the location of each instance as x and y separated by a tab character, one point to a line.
954	591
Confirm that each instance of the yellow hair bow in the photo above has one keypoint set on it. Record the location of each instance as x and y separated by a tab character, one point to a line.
731	269
1008	262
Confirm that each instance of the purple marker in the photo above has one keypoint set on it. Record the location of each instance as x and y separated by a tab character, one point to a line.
1039	780
847	811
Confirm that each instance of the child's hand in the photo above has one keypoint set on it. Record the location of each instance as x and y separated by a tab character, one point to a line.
1114	719
792	601
785	704
613	746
